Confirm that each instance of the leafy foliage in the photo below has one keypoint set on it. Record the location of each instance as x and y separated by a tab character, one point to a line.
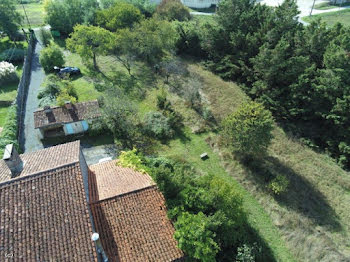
119	16
45	36
50	57
63	15
173	10
9	132
145	6
13	55
279	184
248	130
132	160
157	125
90	41
10	19
7	73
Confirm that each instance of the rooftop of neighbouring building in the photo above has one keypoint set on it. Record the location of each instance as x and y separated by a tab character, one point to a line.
66	114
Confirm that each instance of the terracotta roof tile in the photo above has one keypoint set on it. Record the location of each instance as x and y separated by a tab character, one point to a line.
45	159
113	180
59	115
130	215
134	227
44	217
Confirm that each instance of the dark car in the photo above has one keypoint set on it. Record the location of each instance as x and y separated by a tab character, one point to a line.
67	70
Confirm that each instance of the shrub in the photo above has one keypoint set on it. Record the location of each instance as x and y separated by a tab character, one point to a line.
97	127
173	10
13	55
51	56
45	36
7	72
132	160
246	253
279	184
155	124
248	129
9	133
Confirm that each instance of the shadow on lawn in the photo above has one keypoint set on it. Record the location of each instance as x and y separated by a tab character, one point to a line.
301	195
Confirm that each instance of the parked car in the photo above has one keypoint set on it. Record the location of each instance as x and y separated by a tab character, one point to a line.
68	70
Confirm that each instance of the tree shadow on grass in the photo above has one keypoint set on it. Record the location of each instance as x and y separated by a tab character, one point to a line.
301	195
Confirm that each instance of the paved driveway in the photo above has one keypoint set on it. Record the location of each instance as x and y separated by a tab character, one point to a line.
32	141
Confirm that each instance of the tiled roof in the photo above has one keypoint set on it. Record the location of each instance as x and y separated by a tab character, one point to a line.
113	180
44	217
133	223
60	115
45	159
134	227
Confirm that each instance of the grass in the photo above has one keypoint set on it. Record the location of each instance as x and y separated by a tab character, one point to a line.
312	217
329	5
3	115
331	18
35	13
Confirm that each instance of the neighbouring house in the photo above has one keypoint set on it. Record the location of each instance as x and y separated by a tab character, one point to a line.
65	120
52	205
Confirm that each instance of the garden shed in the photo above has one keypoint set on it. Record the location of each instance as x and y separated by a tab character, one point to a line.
65	120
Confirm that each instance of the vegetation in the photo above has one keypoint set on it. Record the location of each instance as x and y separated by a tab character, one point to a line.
45	36
173	10
7	73
248	130
10	19
50	57
331	18
9	132
34	11
329	5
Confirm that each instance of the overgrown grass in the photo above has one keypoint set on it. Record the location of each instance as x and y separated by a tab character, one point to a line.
3	114
35	13
312	217
331	18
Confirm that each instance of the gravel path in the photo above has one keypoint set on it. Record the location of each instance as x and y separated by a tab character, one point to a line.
32	140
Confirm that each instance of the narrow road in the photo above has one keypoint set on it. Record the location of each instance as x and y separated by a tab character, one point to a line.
32	140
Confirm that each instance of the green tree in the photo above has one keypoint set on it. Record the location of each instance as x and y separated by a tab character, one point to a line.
51	56
248	129
10	19
145	6
63	15
173	10
121	15
195	234
90	41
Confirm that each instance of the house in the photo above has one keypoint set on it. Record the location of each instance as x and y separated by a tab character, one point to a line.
65	120
53	207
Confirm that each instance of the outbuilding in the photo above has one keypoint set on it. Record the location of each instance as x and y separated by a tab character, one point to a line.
65	120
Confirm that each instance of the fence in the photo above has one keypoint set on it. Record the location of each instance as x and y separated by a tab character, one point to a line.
22	90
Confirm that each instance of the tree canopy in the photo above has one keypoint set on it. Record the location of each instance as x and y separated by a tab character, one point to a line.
10	19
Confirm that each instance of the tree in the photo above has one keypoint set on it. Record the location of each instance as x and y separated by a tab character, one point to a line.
195	234
90	41
119	16
157	125
63	15
10	19
145	6
151	40
173	10
248	130
51	56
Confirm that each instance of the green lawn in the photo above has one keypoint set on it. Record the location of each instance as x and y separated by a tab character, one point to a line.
331	18
35	13
329	5
3	114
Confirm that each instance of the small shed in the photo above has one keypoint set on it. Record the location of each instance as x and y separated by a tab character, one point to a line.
65	120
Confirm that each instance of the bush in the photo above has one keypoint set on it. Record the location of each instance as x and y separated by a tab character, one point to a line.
173	10
45	36
248	130
246	253
9	133
67	93
7	73
132	160
155	124
51	56
13	55
279	184
97	127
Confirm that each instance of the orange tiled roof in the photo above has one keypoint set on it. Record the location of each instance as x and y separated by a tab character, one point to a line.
44	160
133	224
113	180
60	115
44	217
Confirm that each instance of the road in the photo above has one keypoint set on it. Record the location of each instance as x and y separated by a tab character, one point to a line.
32	141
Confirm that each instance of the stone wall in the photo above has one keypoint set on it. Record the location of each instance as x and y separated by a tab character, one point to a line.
22	90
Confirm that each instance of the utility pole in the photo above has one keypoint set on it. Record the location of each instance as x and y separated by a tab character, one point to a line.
312	8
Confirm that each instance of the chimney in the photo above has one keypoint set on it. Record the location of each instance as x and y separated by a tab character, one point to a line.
47	109
13	160
68	105
96	238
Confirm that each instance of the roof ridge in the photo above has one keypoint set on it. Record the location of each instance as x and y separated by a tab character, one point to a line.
36	174
123	194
